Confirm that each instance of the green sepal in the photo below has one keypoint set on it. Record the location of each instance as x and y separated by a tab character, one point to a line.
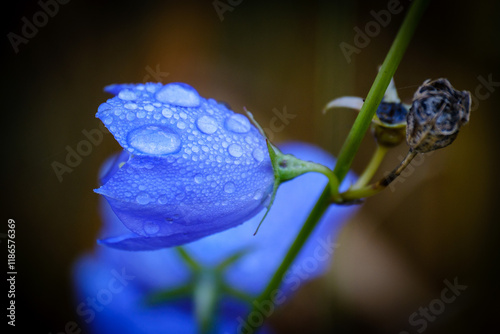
287	167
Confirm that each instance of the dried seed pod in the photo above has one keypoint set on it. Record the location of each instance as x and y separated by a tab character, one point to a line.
436	115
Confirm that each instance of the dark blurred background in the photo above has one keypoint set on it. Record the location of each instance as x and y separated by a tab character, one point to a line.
437	223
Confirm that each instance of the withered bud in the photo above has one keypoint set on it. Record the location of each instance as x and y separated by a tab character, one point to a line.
436	115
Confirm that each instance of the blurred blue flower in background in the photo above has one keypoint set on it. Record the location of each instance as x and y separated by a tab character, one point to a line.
254	261
193	166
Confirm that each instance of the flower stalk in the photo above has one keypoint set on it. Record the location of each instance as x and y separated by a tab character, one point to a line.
352	143
373	189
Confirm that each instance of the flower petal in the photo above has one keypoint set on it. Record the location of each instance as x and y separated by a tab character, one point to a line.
187	200
155	120
196	167
266	250
352	102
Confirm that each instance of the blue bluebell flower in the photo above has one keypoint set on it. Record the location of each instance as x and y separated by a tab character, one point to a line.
165	269
191	166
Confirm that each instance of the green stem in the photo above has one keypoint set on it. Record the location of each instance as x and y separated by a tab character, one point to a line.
351	145
314	216
376	93
372	167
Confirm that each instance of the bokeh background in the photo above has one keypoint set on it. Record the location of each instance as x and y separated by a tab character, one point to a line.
439	222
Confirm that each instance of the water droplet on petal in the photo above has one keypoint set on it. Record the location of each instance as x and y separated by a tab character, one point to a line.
207	124
238	123
151	228
167	113
181	125
143	198
127	94
229	187
103	107
257	196
141	114
258	154
108	120
178	94
154	140
235	150
163	200
198	178
149	107
131	106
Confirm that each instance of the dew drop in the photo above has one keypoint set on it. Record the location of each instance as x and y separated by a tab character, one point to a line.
127	95
178	94
108	120
163	199
141	114
154	140
149	107
181	125
207	124
235	150
238	123
131	106
258	154
103	107
151	228
167	113
229	187
143	198
130	116
198	178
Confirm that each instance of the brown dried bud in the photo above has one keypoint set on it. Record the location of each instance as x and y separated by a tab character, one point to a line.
436	115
